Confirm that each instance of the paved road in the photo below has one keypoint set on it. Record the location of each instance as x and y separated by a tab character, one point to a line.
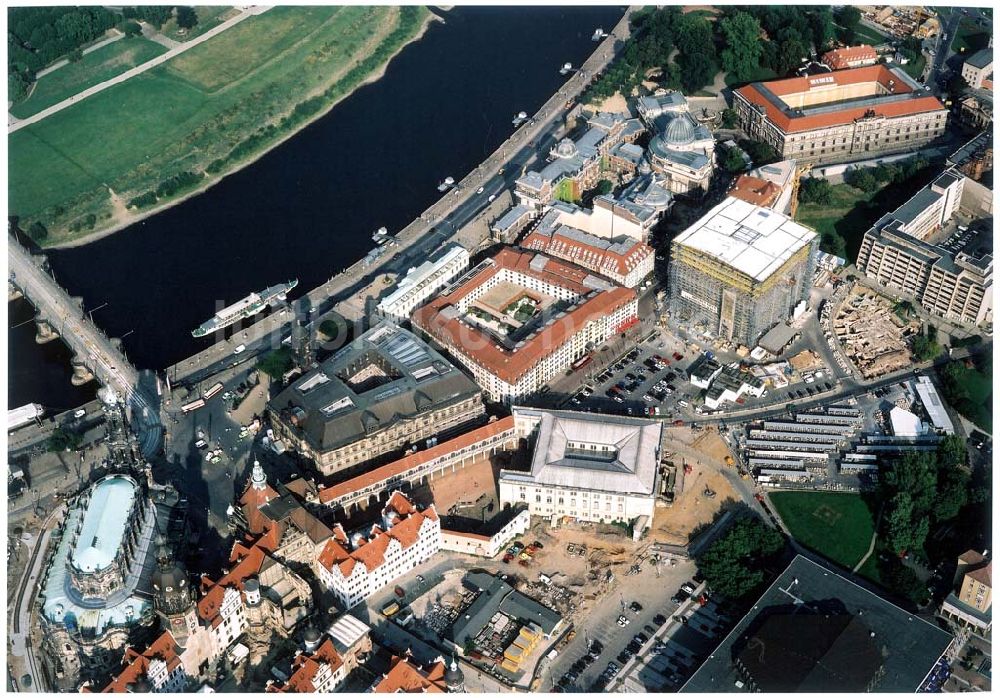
435	226
129	74
19	617
86	341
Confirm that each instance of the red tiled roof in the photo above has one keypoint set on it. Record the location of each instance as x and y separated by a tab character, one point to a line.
511	365
848	114
306	666
415	460
248	562
251	502
841	58
405	677
599	259
372	553
137	664
754	190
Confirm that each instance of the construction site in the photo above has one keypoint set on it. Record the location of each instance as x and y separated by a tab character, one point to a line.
902	22
872	335
740	270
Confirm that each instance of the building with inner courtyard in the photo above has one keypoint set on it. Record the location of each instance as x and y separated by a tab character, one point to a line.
384	392
851	114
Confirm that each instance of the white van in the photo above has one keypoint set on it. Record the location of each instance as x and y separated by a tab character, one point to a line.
682	403
240	349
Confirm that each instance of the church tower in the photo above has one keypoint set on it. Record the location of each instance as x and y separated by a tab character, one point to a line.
173	597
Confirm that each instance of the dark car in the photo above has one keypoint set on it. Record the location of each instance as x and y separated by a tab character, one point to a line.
659	619
650	629
624	656
635	606
641	637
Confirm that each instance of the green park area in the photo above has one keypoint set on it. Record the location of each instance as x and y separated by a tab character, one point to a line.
969	389
206	112
94	68
842	213
838	525
970	37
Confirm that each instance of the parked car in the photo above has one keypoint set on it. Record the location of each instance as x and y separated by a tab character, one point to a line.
623	621
635	606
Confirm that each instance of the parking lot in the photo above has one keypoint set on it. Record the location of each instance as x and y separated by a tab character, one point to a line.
652	588
649	380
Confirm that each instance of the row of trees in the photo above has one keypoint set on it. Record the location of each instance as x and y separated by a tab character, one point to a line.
737	565
871	178
924	488
39	36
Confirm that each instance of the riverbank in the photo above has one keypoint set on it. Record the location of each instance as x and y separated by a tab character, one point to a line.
108	209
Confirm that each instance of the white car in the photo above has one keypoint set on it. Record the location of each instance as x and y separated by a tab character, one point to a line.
492	198
623	621
480	190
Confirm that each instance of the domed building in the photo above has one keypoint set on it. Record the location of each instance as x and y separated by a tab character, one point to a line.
683	151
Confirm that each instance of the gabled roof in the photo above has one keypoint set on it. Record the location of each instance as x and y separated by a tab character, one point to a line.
756	191
406	677
305	667
137	663
841	58
983	575
371	552
248	563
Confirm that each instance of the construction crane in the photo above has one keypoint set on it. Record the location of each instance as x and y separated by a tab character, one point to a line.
799	171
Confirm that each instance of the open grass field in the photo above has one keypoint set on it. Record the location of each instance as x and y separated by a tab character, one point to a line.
94	68
915	68
838	525
978	408
238	89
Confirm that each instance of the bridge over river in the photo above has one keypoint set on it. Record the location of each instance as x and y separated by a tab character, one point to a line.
96	355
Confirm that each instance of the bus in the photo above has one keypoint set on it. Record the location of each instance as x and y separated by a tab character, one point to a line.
212	391
581	362
193	405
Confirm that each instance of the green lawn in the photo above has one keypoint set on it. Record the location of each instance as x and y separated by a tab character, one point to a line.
866	35
970	37
837	525
915	68
849	210
194	110
95	67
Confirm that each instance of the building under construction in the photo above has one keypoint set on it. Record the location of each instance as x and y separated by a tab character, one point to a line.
740	270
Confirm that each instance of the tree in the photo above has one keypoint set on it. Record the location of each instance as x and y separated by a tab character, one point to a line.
903	532
187	18
925	346
129	28
730	119
849	17
37	231
861	178
17	86
63	439
733	161
604	187
790	55
329	328
734	564
813	190
952	494
760	153
277	363
821	24
75	56
915	474
741	57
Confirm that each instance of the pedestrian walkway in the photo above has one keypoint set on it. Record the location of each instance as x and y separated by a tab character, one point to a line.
138	70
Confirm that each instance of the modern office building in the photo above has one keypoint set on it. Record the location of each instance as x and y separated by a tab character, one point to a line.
978	67
740	270
518	319
355	566
844	115
814	630
587	466
422	282
385	391
952	278
620	258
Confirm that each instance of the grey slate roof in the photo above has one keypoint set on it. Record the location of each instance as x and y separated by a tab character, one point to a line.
980	59
495	596
332	413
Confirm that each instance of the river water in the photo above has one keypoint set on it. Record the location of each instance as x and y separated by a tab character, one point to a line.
307	209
